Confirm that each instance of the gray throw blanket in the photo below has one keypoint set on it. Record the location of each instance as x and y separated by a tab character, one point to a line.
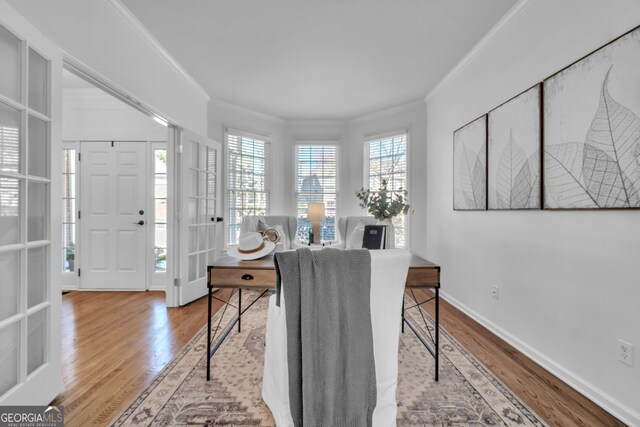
332	378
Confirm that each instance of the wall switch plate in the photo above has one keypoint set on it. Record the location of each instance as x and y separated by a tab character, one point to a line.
625	352
494	292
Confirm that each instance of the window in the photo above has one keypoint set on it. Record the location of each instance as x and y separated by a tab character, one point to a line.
247	179
386	158
68	209
316	182
160	209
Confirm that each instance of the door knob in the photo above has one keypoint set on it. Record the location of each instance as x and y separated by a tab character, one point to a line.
141	212
141	222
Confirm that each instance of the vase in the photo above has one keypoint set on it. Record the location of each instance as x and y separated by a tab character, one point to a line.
390	236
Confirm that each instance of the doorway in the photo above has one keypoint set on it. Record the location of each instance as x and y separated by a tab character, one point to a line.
114	197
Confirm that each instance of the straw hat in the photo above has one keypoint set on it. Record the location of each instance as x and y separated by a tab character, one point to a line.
251	246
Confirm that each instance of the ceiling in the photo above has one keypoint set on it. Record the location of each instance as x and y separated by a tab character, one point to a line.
313	59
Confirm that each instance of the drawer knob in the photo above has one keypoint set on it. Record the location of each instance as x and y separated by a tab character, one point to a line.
247	277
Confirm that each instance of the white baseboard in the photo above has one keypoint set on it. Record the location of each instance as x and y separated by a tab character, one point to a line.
159	288
604	400
109	290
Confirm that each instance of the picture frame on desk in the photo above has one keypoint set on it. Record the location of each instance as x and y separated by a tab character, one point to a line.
374	237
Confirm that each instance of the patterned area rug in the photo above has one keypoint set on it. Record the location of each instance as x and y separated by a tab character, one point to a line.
466	395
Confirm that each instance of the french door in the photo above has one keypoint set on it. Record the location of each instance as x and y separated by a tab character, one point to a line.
113	217
201	227
30	66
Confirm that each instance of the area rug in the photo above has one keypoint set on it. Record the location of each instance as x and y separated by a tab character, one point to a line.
467	394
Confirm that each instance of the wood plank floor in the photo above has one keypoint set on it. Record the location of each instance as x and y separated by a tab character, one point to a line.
115	343
553	400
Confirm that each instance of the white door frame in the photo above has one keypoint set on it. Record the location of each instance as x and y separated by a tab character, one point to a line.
173	217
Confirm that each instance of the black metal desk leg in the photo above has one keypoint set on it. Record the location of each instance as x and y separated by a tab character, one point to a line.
403	312
437	331
209	332
239	309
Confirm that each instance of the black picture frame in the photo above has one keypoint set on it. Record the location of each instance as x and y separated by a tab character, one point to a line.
470	166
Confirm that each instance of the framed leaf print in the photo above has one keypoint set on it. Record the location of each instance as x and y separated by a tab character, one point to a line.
592	130
513	180
470	166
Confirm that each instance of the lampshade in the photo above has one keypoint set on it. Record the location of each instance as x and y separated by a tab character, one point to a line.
315	212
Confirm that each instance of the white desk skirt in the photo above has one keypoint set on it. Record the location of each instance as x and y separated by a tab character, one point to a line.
388	274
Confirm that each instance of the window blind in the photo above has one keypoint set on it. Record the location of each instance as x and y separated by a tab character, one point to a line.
316	182
247	180
386	158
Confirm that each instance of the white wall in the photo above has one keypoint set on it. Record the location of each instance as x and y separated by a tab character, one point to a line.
411	117
97	34
90	114
569	281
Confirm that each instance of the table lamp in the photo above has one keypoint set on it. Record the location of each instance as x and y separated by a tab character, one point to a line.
315	214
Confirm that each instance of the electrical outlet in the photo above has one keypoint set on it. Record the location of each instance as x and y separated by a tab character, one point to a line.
494	292
625	352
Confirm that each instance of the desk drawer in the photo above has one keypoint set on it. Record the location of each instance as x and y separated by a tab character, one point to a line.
234	278
423	278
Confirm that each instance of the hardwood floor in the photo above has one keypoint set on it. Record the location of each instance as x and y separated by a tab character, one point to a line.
114	343
553	400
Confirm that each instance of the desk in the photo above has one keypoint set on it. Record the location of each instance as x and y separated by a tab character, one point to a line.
260	275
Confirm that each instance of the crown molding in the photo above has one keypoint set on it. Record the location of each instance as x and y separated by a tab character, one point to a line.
317	122
146	35
244	110
388	111
93	98
510	16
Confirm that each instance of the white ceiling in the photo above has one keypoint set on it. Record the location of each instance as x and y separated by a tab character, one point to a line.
313	59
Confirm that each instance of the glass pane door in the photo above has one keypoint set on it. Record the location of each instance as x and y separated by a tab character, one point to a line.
25	324
202	212
200	175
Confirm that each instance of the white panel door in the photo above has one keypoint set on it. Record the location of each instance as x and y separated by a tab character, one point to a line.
112	215
201	227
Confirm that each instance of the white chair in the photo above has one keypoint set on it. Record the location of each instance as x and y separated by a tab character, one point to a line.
289	225
347	224
388	275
